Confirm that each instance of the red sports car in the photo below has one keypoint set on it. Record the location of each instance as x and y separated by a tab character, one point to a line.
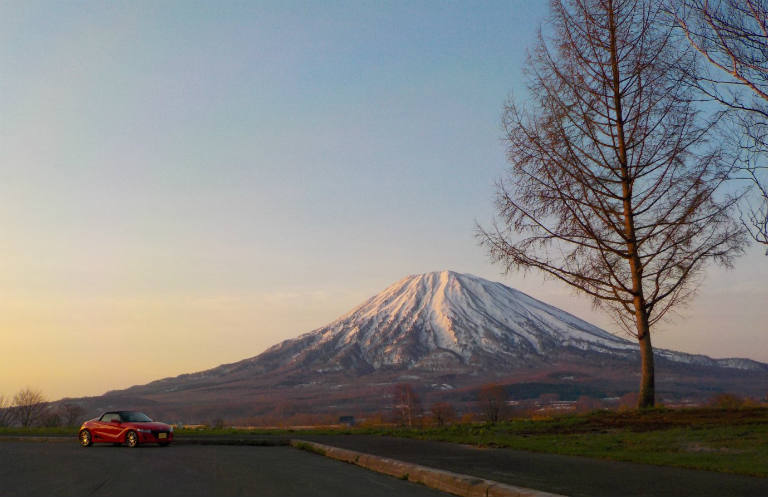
129	427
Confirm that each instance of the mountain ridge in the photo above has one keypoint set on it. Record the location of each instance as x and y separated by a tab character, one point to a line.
417	303
443	321
447	334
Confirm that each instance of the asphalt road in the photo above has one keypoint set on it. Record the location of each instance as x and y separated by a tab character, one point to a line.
63	468
566	475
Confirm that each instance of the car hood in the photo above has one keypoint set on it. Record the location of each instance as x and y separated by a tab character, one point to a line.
154	425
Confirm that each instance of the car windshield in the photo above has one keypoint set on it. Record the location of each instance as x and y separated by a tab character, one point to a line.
135	417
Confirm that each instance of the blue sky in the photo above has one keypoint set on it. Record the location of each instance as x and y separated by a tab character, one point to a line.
213	177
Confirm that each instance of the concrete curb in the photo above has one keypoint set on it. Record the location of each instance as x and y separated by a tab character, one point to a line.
446	481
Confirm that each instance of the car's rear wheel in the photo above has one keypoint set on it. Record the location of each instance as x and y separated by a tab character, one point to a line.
131	439
85	438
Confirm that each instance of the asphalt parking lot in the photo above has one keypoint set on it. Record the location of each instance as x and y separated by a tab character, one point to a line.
63	468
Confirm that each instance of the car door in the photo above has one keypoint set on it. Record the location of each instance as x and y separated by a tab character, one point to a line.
97	428
112	429
108	427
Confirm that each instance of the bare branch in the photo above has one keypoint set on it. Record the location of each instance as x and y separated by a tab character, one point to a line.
732	37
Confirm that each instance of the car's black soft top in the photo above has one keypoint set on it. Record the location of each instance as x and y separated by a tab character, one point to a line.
131	416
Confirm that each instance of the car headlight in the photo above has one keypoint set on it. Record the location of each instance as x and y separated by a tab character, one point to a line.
143	430
171	430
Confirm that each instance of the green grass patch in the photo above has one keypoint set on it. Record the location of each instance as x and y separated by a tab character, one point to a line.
731	441
38	431
739	449
284	432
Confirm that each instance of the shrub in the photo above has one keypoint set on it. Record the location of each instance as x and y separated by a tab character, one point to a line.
727	401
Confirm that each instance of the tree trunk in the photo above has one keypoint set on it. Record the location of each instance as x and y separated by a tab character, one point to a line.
647	391
647	397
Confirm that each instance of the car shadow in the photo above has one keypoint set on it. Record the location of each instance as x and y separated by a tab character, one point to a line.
140	446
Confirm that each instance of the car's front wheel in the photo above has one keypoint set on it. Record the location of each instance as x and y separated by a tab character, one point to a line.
85	438
131	439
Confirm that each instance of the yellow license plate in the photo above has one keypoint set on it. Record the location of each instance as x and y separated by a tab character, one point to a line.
162	435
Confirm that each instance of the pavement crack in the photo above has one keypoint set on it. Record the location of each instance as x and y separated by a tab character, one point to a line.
98	487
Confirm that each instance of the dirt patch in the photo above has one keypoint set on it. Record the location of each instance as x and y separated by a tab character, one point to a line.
697	447
652	420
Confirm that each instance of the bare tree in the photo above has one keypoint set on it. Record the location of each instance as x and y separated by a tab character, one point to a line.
71	414
50	417
754	215
732	36
6	413
611	189
407	407
585	403
28	406
442	413
492	399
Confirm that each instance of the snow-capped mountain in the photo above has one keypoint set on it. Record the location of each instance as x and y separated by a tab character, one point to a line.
448	334
444	320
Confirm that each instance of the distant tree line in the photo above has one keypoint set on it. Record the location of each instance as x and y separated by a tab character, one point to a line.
404	406
494	404
29	408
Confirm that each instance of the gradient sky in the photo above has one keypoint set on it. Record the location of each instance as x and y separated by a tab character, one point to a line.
185	184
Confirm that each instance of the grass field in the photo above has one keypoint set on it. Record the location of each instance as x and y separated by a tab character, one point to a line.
727	440
733	441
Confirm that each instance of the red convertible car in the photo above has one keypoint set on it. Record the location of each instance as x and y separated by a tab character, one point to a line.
125	427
